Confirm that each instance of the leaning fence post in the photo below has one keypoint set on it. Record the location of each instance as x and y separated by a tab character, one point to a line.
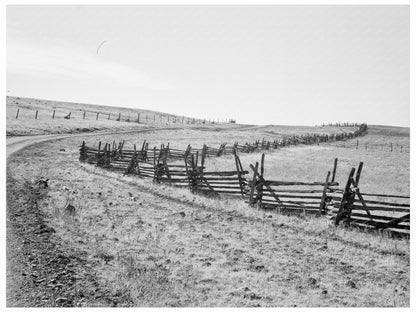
238	172
253	184
323	199
53	114
17	114
344	201
36	116
334	170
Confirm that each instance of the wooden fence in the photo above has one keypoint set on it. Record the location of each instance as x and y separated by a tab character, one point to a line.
290	196
187	169
352	207
163	165
369	146
121	155
143	117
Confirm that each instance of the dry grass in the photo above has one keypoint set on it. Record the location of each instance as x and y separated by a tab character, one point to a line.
153	245
26	124
212	136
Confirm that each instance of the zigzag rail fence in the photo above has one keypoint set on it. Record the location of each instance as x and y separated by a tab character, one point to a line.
367	210
186	168
153	163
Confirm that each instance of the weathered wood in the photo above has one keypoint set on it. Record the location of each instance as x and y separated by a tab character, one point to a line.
254	182
334	170
364	216
261	179
345	197
323	199
358	175
385	195
381	225
287	183
291	196
376	208
380	203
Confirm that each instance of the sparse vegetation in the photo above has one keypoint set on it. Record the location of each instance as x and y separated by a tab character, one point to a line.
158	246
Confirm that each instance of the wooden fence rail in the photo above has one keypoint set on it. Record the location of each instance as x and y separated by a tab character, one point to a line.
348	205
366	210
290	196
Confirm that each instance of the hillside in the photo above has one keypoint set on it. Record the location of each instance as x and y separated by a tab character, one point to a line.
95	238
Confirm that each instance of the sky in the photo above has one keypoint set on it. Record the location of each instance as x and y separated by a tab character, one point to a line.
289	65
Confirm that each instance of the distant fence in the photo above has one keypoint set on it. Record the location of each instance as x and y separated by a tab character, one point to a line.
143	117
341	124
124	155
369	146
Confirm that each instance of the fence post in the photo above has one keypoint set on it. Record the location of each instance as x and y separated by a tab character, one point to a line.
260	186
97	116
323	199
357	145
334	170
237	165
82	152
83	116
108	116
98	153
345	198
53	114
17	114
391	147
36	116
253	185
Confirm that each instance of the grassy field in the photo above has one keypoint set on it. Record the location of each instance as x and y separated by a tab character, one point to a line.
26	124
152	245
212	136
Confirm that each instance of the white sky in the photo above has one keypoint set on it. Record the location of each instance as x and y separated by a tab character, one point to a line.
258	64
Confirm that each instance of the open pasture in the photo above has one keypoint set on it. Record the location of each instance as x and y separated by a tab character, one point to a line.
213	135
192	251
